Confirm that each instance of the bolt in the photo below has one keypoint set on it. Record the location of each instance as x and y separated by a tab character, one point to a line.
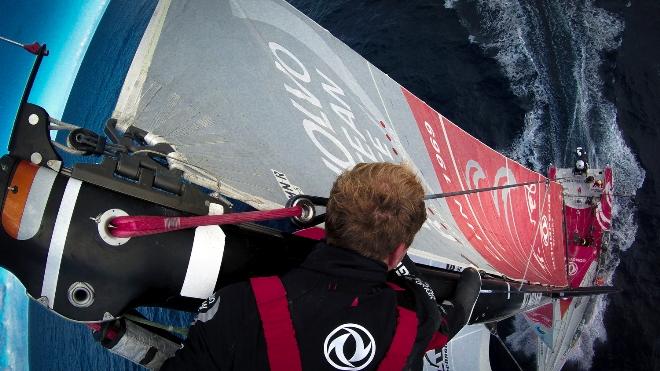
53	164
33	119
36	158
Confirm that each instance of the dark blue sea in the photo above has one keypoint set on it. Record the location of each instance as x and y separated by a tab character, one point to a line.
531	79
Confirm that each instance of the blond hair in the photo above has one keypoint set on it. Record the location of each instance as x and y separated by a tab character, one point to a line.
375	207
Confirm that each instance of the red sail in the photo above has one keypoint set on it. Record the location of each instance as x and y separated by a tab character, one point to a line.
518	230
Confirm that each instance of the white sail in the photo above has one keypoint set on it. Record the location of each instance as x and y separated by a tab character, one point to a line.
468	350
247	89
129	97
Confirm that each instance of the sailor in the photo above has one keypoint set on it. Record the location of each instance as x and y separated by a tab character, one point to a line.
582	163
344	307
582	241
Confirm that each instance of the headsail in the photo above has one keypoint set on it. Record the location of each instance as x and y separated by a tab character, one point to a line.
255	92
453	357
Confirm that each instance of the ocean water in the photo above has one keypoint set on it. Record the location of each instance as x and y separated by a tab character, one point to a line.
557	56
530	79
13	342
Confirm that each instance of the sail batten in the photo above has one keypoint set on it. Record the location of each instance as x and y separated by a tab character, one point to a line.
251	88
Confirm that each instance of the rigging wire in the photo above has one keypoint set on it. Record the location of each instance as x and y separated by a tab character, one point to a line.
133	226
58	125
497	336
488	189
479	190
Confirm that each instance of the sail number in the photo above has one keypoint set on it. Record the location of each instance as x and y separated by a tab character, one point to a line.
436	148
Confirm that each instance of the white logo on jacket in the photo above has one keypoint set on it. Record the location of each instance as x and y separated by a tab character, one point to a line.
350	338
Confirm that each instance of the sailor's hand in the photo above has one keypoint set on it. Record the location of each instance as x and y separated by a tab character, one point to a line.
108	333
134	342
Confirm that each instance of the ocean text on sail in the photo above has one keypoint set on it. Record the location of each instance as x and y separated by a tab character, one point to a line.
339	148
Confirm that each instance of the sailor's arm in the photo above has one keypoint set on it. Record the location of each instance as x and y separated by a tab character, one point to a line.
195	353
203	349
219	326
455	311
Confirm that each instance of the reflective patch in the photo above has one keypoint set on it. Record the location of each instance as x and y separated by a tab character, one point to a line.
401	270
423	285
351	338
208	309
36	203
57	241
205	261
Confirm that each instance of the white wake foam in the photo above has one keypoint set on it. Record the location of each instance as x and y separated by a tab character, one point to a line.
524	340
552	55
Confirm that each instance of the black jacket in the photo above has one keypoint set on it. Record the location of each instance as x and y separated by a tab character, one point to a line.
333	287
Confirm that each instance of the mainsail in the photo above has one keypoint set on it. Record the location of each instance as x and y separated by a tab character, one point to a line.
271	105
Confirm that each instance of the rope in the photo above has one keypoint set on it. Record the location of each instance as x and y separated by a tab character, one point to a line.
134	226
61	125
